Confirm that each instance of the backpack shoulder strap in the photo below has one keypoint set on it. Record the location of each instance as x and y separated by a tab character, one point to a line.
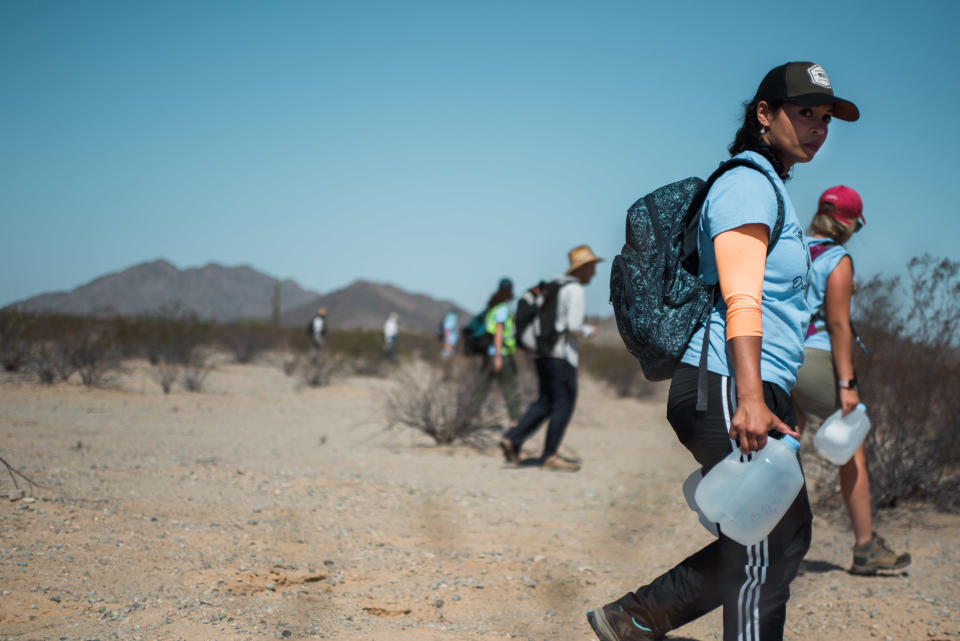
774	237
818	249
726	166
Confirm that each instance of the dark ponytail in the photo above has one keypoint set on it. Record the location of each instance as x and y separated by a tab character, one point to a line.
748	137
500	296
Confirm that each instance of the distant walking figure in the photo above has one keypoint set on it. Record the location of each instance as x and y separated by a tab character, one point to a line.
319	332
390	329
827	381
498	361
557	373
449	335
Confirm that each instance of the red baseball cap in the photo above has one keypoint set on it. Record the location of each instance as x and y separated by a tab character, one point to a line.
847	206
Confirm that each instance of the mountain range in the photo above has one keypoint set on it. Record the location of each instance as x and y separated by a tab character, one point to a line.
225	294
241	293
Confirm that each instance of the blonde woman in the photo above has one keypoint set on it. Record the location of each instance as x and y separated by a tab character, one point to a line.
826	381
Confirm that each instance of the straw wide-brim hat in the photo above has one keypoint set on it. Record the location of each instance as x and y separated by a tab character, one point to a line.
580	256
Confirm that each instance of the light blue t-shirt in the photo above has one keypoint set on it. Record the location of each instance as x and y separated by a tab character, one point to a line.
450	326
743	196
823	266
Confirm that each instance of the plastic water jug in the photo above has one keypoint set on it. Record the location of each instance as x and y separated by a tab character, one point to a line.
840	436
747	496
689	492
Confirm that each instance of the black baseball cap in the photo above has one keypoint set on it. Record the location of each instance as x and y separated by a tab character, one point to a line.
806	84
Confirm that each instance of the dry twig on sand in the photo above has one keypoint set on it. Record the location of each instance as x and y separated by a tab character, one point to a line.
14	473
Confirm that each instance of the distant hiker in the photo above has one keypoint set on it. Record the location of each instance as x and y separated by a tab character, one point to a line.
318	332
557	372
390	329
498	360
752	348
827	381
449	334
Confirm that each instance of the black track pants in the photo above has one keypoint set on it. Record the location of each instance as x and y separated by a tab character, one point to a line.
751	583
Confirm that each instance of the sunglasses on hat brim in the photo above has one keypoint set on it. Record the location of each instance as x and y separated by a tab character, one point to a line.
857	223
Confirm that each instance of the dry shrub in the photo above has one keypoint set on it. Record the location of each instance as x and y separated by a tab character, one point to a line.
166	374
447	409
248	340
14	346
173	336
616	367
910	383
50	363
195	370
320	370
92	353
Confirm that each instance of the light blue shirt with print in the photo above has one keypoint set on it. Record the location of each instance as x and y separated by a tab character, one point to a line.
450	326
823	266
743	196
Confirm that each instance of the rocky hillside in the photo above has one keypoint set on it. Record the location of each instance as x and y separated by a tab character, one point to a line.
213	292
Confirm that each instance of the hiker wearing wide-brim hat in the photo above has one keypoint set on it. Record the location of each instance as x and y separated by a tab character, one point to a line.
827	382
557	368
750	244
581	256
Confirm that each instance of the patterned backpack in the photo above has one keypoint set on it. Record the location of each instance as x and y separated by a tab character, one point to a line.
658	299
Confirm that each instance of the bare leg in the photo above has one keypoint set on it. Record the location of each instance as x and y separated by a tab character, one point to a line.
855	488
801	416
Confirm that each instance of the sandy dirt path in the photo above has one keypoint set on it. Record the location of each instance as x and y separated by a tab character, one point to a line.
260	509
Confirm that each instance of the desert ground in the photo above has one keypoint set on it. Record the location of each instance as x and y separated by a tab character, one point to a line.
262	508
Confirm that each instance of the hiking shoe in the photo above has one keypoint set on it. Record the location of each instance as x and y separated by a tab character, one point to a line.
560	464
876	555
612	623
510	452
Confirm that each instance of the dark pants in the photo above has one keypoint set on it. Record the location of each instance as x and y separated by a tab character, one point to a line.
752	583
557	396
507	381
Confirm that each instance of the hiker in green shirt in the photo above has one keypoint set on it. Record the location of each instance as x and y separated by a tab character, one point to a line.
498	362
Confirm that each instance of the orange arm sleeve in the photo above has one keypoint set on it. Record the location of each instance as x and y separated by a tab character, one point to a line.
741	258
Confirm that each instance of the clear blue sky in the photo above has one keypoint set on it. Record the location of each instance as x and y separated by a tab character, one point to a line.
437	145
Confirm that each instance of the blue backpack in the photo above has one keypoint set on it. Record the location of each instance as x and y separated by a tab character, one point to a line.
658	299
476	338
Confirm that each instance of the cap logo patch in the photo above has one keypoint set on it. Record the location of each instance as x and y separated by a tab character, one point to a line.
818	76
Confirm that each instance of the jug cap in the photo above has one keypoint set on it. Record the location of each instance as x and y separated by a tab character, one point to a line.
790	442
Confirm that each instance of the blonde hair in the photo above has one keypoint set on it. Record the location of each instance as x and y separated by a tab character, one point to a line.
826	225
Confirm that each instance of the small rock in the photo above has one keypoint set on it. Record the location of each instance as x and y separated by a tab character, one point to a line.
16	494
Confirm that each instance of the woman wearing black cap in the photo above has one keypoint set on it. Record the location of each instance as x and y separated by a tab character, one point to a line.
754	350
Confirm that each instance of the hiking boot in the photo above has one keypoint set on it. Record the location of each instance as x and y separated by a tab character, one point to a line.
612	623
559	464
876	555
510	452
